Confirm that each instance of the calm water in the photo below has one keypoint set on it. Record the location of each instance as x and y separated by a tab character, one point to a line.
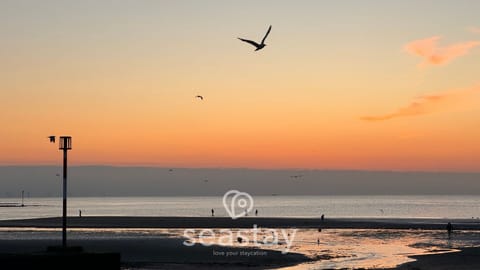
268	206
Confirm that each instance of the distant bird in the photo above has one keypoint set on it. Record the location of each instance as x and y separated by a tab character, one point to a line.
51	138
261	45
199	97
296	176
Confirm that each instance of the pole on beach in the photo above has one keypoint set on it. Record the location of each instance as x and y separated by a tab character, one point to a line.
65	145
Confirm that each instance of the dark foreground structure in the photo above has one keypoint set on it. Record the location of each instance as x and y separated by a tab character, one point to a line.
60	260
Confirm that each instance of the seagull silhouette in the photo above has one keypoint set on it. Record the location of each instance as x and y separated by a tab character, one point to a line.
200	97
261	45
51	138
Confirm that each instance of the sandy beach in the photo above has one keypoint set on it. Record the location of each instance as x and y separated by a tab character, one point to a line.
157	242
465	259
157	253
248	222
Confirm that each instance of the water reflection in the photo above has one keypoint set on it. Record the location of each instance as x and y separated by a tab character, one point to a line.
376	248
346	248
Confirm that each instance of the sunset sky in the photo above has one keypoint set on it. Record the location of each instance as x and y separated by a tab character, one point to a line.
369	85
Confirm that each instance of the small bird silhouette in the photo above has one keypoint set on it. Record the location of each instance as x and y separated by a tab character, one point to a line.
262	44
51	138
199	97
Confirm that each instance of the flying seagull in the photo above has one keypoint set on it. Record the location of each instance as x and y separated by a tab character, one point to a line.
51	138
261	45
199	97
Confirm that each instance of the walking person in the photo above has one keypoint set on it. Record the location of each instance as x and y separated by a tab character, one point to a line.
449	229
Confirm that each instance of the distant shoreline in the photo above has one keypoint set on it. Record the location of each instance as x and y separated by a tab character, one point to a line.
247	222
11	205
100	181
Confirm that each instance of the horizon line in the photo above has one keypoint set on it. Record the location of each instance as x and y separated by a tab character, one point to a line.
249	168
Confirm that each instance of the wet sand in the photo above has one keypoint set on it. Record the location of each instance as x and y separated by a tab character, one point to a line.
157	253
169	253
465	259
248	222
350	241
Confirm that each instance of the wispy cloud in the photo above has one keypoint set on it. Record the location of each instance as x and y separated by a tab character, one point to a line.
433	54
475	30
428	104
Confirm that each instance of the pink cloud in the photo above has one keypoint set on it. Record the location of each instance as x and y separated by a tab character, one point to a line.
432	54
475	30
428	104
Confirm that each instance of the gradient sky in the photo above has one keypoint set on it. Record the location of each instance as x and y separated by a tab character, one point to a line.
371	85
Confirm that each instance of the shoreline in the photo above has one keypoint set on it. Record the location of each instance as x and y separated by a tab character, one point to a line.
246	222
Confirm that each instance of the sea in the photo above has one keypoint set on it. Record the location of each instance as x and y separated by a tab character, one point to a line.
394	206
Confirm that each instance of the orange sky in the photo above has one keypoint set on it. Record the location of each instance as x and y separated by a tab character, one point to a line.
346	90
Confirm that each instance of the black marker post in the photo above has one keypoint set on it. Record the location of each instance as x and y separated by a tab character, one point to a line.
65	145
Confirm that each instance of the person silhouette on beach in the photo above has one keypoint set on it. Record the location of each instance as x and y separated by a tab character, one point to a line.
322	218
79	213
213	212
449	229
256	212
